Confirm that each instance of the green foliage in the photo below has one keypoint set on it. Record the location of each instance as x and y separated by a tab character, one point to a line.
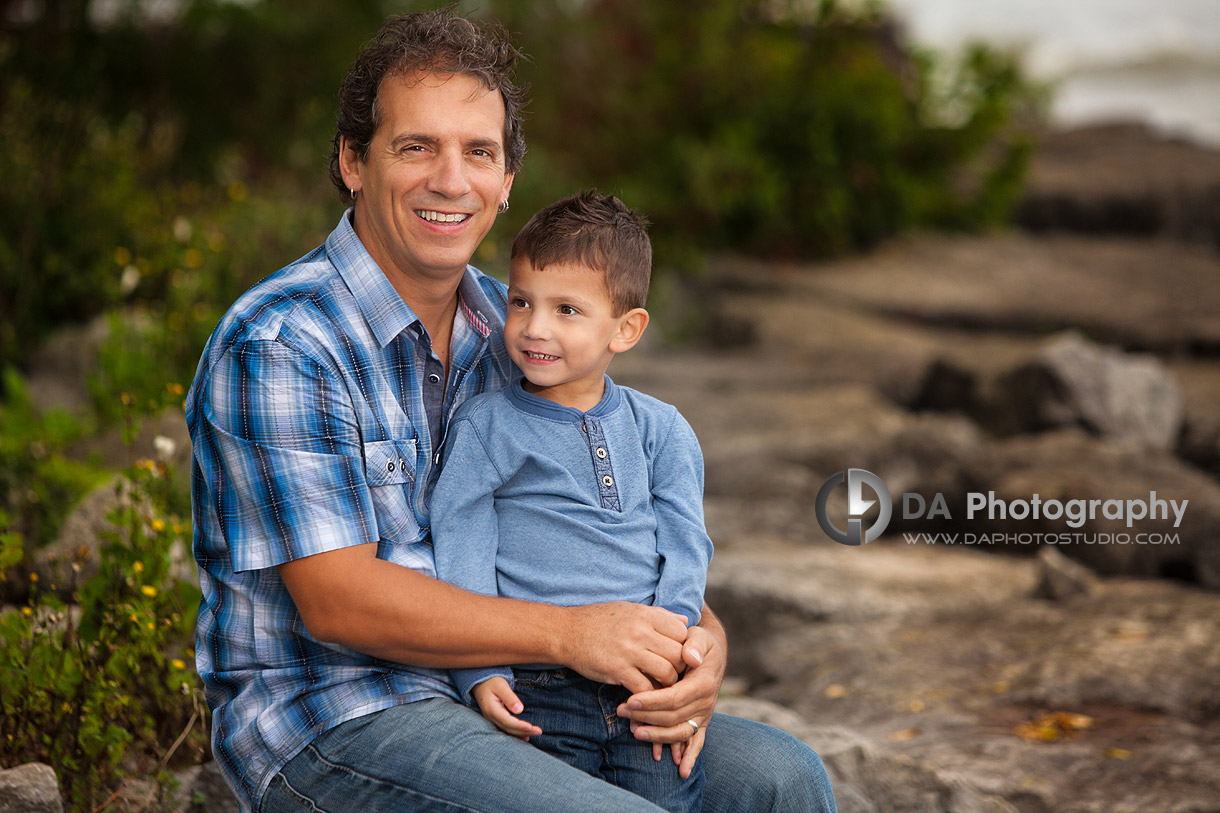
38	484
98	690
71	198
216	249
747	126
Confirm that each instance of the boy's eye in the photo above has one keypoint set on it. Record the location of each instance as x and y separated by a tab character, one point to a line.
518	302
568	310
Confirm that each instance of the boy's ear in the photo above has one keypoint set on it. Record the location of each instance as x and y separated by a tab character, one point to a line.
631	327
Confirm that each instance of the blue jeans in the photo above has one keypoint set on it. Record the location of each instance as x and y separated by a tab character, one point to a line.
438	755
579	725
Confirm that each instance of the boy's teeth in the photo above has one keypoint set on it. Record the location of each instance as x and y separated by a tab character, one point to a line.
540	356
441	217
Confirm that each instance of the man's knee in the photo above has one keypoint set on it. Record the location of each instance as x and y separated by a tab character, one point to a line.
756	767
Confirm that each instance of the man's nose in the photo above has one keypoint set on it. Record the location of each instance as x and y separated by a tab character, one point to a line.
449	175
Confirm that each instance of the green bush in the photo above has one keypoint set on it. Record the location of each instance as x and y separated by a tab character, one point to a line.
38	483
757	127
101	690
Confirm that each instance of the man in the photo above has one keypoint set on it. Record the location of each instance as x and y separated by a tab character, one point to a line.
316	414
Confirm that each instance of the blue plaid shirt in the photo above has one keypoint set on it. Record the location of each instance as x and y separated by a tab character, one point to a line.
310	433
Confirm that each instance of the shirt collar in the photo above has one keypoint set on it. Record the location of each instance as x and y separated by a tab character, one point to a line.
537	405
387	313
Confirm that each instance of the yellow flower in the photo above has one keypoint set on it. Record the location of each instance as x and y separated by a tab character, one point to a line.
148	590
175	388
138	567
158	525
133	618
178	663
34	577
151	626
27	611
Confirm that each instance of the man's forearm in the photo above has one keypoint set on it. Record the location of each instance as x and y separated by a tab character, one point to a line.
350	597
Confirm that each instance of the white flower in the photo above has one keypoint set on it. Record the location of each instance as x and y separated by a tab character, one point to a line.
165	447
129	280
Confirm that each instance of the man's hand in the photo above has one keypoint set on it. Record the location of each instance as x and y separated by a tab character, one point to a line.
633	645
499	704
661	715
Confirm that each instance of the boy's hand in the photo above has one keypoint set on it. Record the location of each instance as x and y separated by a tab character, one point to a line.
499	703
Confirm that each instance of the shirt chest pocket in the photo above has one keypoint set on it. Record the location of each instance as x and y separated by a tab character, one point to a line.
389	470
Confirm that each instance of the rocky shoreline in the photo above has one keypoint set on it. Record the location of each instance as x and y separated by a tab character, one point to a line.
1075	362
1079	358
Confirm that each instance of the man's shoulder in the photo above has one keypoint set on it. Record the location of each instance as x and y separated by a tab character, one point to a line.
294	295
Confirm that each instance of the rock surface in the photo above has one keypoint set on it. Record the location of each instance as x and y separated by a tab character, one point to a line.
29	788
983	675
1123	179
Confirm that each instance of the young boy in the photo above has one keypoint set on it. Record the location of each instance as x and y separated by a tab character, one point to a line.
565	488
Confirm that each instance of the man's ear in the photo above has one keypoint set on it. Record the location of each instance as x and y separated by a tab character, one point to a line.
631	327
349	165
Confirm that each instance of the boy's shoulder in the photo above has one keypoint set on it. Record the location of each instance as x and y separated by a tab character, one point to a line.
642	402
479	408
654	418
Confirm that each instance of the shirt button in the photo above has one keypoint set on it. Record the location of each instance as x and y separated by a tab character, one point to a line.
607	481
390	466
434	378
601	453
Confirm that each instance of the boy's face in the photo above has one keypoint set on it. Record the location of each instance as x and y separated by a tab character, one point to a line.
562	332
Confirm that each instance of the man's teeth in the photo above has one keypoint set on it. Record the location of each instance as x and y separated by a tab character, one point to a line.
441	217
540	356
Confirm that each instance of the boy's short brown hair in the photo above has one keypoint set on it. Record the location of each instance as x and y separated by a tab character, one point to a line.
598	231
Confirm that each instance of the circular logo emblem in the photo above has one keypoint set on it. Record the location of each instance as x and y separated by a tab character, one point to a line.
856	479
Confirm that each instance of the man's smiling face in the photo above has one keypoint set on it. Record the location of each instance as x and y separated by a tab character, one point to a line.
433	176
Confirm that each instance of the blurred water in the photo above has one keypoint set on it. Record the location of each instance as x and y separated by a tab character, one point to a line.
1156	61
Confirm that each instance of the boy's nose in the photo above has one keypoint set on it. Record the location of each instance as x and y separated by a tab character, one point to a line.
537	327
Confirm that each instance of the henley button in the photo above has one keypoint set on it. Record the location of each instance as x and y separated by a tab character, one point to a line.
607	481
601	453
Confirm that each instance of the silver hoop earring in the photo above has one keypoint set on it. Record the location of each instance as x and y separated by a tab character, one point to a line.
503	207
353	191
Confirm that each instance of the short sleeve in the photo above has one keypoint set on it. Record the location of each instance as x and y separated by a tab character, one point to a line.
287	474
